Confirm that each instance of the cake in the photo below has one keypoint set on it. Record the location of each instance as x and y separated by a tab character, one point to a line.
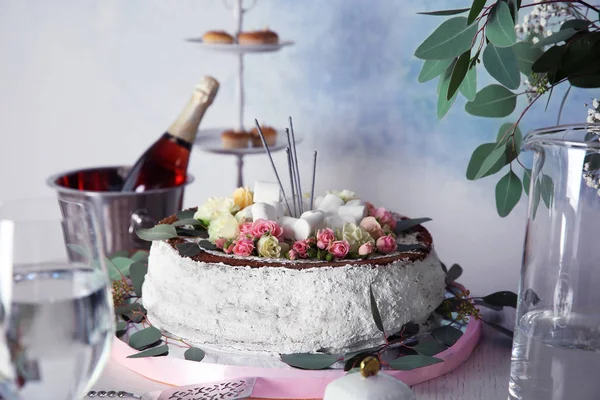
217	37
277	281
265	36
269	133
232	139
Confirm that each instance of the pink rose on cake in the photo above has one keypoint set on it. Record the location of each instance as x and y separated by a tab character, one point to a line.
268	246
371	225
220	243
262	227
385	217
339	248
246	229
324	238
301	248
386	244
243	247
293	255
366	249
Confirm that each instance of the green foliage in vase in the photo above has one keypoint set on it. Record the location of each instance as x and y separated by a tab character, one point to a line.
557	43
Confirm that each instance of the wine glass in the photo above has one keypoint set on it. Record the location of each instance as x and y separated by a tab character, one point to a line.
61	321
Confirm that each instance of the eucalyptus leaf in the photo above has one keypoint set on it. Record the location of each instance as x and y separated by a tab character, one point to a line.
503	299
526	180
404	225
309	361
128	308
452	38
140	255
138	271
468	87
123	253
120	328
144	338
444	104
589	81
508	193
375	310
152	352
526	56
458	73
561	36
513	6
479	155
188	221
407	363
444	12
158	232
577	24
547	190
511	139
476	8
500	29
188	249
122	264
492	101
113	272
448	335
490	161
206	245
501	63
479	302
453	273
194	354
186	214
430	348
549	60
432	69
198	233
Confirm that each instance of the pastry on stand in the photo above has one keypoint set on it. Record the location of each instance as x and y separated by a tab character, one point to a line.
370	384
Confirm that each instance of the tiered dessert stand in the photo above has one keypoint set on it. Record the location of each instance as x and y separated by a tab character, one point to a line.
209	139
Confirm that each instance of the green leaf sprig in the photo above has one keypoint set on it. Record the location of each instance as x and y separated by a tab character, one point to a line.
487	35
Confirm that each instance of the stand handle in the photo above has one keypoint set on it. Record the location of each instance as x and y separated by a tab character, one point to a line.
240	170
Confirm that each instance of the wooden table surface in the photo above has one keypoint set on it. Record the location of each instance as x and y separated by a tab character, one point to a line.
483	377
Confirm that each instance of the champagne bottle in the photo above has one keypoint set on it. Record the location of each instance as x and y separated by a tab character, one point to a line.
164	164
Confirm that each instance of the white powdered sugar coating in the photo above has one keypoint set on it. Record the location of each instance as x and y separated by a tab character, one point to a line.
271	310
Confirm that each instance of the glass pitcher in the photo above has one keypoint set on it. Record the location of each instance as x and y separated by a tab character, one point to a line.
556	347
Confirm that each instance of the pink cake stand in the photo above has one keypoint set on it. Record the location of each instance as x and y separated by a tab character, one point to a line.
285	382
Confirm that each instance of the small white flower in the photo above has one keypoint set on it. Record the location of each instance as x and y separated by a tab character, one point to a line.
590	119
535	40
213	207
596	104
224	226
586	167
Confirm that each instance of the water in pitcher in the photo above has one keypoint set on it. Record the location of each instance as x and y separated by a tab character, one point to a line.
555	358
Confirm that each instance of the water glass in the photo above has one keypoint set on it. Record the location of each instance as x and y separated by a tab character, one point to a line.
61	321
556	347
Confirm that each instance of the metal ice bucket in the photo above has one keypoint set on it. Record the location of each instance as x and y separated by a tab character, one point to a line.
119	213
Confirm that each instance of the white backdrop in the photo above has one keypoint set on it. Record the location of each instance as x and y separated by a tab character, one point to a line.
88	83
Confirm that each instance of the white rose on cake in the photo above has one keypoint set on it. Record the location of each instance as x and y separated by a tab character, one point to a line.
356	236
345	194
268	246
224	226
214	207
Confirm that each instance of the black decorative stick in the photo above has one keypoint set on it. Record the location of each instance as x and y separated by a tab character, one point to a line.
290	163
293	173
264	142
299	188
312	190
